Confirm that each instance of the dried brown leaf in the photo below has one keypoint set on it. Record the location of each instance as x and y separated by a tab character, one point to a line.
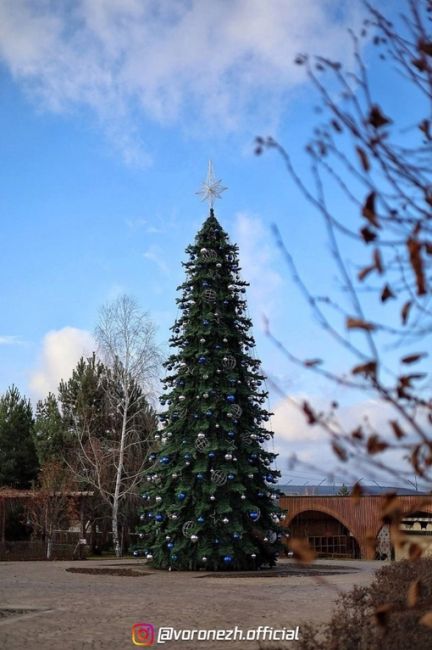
426	619
414	250
309	413
357	323
357	434
375	445
378	261
377	118
405	311
381	614
368	210
413	593
414	551
420	64
356	493
364	272
340	452
425	127
397	429
405	381
412	358
387	293
301	549
311	363
368	369
425	47
391	505
364	160
415	460
367	235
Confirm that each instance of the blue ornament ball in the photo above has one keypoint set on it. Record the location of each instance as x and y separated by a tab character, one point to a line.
202	360
200	519
159	517
164	460
231	477
173	557
231	434
181	496
205	322
236	535
209	413
228	559
200	476
254	515
231	398
215	541
170	545
211	454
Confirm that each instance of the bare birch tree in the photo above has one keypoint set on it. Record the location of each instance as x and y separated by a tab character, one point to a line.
113	460
126	339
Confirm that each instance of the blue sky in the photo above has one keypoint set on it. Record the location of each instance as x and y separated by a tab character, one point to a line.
110	111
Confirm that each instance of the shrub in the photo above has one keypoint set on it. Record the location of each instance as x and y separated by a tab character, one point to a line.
384	616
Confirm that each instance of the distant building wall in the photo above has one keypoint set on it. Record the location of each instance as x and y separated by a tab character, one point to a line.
362	516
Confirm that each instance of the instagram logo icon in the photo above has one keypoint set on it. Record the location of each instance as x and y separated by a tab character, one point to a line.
143	634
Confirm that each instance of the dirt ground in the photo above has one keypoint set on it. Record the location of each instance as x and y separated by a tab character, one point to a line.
44	606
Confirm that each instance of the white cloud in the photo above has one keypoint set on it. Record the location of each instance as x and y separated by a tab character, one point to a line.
201	64
257	256
10	340
311	444
156	255
61	349
290	425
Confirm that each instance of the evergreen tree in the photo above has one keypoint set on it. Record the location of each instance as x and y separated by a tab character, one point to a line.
49	430
18	459
209	499
82	399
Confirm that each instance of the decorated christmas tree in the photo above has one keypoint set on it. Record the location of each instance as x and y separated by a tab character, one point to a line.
209	498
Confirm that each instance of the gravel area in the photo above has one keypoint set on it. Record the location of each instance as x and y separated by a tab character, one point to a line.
56	608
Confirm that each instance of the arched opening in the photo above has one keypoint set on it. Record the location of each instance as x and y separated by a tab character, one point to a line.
325	534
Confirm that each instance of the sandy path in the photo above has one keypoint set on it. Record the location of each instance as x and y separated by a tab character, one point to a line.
93	611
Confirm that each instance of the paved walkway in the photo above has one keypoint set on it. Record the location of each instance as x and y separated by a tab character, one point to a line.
81	612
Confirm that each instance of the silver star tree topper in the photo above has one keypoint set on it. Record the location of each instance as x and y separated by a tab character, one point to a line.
211	188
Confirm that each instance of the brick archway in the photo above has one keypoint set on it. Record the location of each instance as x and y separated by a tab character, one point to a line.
362	517
325	535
